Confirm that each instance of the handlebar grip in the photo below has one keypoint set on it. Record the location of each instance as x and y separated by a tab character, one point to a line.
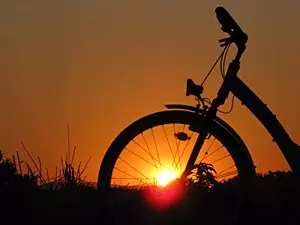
225	19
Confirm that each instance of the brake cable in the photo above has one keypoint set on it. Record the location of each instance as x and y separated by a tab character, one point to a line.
223	60
222	68
220	57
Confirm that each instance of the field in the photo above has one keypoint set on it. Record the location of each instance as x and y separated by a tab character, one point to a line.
25	199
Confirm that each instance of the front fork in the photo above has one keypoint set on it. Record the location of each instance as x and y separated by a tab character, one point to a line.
203	133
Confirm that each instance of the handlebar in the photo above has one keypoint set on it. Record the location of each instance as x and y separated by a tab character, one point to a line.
225	19
231	27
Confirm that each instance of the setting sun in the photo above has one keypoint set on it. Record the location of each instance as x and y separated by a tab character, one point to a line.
164	177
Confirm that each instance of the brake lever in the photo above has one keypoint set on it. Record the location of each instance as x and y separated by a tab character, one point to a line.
225	41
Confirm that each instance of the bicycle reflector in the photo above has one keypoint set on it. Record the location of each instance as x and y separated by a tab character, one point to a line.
182	136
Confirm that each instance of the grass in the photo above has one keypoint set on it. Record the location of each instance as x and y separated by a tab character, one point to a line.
29	196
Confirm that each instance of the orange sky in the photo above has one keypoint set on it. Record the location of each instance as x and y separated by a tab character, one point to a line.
99	65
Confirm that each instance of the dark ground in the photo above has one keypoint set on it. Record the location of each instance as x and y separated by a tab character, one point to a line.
275	200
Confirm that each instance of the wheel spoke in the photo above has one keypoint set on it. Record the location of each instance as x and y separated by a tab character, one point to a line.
206	152
219	159
179	156
168	141
149	151
145	160
213	152
224	175
177	146
153	159
228	168
132	177
134	168
186	147
155	146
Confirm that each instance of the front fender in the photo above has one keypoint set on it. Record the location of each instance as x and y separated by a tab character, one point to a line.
185	107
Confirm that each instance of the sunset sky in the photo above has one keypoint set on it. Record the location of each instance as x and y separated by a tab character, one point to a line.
100	65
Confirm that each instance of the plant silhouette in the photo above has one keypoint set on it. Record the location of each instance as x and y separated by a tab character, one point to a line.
10	178
202	174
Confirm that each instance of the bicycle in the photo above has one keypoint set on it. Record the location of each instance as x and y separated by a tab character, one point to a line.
182	121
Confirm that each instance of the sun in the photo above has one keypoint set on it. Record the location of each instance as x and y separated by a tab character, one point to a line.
166	176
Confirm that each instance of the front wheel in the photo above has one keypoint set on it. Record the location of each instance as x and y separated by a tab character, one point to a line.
153	152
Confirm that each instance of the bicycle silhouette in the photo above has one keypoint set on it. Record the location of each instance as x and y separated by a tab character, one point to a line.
159	142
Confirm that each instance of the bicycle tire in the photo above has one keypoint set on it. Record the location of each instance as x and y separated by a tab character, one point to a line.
236	149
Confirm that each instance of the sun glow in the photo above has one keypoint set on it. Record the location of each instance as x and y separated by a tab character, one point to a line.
165	177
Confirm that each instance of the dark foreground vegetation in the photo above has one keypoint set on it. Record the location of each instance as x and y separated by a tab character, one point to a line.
28	198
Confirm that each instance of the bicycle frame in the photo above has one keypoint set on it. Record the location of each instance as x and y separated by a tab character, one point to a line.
237	87
232	83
